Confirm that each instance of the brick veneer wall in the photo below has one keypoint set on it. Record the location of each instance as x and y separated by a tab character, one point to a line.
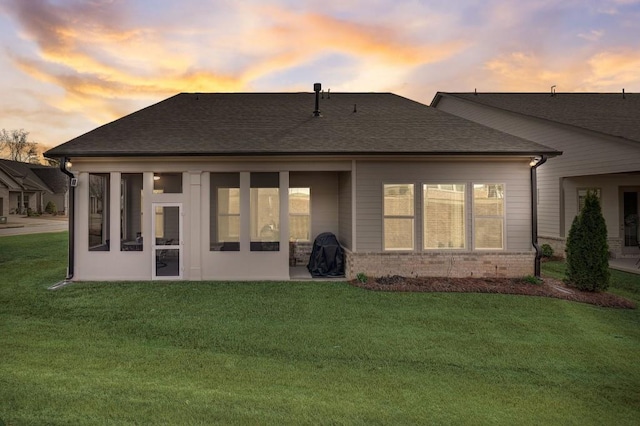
299	252
453	264
559	244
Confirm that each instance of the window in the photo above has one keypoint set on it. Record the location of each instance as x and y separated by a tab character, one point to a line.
582	194
131	212
444	220
488	216
167	183
398	217
99	212
225	212
265	211
299	214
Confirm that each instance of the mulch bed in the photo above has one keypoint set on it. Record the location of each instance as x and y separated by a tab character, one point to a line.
549	288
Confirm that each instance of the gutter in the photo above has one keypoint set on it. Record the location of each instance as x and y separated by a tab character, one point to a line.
534	214
72	199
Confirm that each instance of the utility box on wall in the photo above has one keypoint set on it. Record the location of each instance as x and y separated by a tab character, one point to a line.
3	220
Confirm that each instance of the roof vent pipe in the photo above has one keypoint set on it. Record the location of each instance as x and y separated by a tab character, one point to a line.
623	94
316	88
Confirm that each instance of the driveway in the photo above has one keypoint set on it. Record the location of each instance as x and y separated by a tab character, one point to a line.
21	225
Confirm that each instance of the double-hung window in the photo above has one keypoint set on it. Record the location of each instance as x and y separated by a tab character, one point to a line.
488	216
399	218
444	216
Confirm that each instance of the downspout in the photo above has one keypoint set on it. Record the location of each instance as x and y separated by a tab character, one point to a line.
534	214
71	213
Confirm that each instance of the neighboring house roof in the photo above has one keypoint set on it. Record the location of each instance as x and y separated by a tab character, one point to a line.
283	124
52	176
608	113
23	176
8	182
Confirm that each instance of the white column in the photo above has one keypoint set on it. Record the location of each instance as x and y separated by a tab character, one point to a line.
114	211
194	261
284	216
245	215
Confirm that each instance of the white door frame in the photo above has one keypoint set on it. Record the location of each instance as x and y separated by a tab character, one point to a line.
155	246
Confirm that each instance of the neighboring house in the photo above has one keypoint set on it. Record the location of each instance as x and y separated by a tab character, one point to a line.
599	135
58	184
215	186
25	186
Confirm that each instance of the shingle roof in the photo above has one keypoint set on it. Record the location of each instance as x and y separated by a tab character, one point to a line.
283	124
22	174
606	113
52	176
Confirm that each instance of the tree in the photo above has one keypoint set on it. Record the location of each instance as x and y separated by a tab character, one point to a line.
15	146
587	248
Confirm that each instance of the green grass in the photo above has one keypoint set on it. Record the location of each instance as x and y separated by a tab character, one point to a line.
300	353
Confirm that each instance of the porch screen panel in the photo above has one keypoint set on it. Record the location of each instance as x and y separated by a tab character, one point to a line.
131	238
444	220
265	211
398	211
99	212
167	183
225	212
300	214
488	216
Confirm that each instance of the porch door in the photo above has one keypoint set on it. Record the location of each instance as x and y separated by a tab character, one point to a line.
167	244
630	220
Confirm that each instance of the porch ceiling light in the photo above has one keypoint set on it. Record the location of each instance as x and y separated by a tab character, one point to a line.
156	177
534	161
68	164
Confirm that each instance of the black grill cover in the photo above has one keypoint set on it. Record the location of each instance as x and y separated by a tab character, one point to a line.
327	257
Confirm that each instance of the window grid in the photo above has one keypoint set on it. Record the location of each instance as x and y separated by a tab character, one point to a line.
444	221
488	216
398	217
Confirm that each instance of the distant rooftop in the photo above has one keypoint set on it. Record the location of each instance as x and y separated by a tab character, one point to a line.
231	124
607	113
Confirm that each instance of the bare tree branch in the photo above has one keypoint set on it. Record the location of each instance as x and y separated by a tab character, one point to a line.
15	146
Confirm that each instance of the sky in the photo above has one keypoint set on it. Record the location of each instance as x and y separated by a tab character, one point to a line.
69	66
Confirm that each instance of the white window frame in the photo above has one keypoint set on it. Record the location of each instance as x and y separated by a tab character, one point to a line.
475	216
412	217
465	216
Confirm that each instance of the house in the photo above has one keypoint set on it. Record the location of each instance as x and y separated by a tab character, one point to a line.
599	135
226	186
25	186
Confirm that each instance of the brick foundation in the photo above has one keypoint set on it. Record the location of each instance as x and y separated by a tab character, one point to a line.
454	264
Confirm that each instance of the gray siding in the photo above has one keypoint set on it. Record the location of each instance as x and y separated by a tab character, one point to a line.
584	154
371	175
345	228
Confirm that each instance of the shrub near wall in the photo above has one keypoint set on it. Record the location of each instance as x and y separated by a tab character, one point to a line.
587	248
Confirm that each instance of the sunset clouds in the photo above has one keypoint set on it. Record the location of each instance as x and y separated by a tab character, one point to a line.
71	65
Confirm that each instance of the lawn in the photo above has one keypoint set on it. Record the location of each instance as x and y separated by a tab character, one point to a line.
301	353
